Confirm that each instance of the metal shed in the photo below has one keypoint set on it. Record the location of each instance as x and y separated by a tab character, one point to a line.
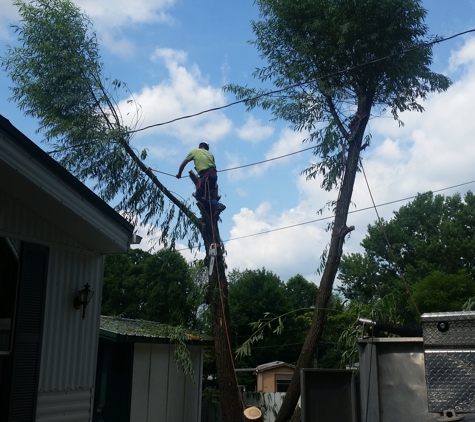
54	232
137	377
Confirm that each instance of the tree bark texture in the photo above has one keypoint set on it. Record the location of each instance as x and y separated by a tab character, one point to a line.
339	231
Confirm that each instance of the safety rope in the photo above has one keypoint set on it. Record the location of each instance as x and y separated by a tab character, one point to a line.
207	191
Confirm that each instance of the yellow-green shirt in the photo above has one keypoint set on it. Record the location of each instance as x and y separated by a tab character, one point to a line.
203	159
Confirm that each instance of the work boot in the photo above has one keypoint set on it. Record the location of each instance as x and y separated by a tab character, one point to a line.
217	210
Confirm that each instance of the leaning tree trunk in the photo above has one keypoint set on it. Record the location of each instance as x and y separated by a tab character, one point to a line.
230	398
229	394
339	231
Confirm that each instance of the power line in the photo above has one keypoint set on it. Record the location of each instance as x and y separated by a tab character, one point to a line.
331	217
349	212
266	161
247	165
277	91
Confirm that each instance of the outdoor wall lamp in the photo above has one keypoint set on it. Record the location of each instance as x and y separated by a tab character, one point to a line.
83	297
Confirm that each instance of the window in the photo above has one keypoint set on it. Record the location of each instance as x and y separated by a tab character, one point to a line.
282	382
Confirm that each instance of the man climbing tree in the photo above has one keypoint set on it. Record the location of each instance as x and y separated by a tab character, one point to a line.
336	63
58	78
206	186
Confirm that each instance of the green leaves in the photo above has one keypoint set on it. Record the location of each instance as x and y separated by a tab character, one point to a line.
155	287
340	58
440	292
269	318
58	78
433	239
258	328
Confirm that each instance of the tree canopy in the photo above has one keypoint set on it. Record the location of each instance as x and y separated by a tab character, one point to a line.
433	241
156	287
441	292
260	296
336	60
301	292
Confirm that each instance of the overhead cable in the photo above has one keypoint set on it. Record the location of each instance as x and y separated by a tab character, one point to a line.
247	165
331	216
277	91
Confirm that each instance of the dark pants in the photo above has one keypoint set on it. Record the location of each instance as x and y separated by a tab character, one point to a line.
205	189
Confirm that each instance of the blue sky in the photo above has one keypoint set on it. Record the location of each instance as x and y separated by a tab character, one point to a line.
175	56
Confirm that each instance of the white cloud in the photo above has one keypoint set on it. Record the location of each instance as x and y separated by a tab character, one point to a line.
9	15
286	252
117	44
434	149
463	56
254	131
288	142
114	13
185	92
110	17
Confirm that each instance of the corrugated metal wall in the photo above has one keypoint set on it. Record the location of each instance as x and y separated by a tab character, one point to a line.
160	392
69	349
64	406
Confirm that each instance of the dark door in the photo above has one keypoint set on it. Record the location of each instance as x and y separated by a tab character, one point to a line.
21	366
9	273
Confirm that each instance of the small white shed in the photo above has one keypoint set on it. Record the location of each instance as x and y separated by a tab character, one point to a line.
54	232
137	377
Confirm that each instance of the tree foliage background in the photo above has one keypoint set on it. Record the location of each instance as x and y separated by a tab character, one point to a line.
158	287
433	241
260	295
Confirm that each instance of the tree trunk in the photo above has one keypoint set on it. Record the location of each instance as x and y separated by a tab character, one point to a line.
229	394
339	231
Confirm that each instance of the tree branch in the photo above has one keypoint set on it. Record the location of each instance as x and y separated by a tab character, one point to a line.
128	149
335	116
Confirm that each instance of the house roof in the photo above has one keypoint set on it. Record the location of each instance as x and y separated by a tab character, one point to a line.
140	331
273	365
31	177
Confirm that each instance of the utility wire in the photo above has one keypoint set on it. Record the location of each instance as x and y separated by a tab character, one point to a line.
331	216
349	212
266	161
246	165
277	91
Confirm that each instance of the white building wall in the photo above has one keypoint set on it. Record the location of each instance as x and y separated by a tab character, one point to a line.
161	392
69	349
